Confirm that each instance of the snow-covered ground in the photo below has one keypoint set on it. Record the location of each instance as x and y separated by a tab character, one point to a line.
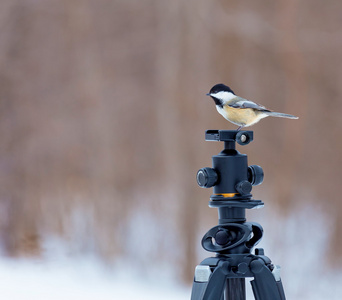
87	279
84	279
297	242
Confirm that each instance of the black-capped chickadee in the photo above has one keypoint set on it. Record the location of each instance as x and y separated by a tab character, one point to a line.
238	110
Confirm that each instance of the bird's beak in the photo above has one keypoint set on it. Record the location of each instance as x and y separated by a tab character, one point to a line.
208	94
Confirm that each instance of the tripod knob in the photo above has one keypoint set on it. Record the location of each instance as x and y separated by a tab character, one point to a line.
206	177
255	175
244	187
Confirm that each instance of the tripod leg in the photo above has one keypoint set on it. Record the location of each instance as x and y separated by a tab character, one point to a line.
202	275
210	285
265	286
235	289
276	274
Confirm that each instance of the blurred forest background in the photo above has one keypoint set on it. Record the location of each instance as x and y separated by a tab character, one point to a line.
102	119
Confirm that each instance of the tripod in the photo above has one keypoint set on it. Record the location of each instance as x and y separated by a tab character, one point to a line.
223	276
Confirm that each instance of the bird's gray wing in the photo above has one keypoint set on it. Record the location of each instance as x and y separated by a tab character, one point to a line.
239	102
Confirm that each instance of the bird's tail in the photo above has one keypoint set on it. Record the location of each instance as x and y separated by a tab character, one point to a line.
280	115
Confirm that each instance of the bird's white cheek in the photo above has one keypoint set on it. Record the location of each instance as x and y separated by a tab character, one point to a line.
224	96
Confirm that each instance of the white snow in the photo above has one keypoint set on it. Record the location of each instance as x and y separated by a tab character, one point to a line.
75	279
297	242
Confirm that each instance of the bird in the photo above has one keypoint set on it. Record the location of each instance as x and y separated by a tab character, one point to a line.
240	111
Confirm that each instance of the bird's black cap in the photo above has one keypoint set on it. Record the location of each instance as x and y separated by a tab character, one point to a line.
220	88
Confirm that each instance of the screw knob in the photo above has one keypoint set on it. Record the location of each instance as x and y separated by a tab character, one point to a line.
206	177
255	175
244	187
